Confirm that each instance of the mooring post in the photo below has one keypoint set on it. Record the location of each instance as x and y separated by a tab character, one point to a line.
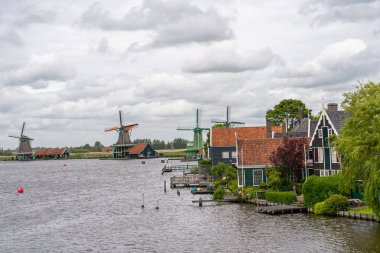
143	205
158	207
164	185
200	202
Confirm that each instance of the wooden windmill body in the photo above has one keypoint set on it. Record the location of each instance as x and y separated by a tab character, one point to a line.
121	148
24	151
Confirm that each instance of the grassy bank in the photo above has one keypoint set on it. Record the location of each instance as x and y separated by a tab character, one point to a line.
171	153
6	158
364	210
91	155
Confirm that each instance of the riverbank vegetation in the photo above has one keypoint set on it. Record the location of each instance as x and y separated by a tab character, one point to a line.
359	141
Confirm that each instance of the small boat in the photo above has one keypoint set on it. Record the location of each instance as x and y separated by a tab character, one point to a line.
199	190
166	169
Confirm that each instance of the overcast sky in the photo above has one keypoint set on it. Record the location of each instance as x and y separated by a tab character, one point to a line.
67	67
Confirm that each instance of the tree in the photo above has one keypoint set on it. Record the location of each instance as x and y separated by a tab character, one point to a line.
98	146
289	158
359	142
286	110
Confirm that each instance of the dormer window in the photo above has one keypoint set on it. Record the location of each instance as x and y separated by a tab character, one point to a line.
319	133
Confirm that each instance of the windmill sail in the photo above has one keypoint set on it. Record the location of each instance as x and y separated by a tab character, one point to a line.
228	122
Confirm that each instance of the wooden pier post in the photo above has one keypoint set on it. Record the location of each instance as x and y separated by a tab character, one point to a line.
200	202
165	186
143	205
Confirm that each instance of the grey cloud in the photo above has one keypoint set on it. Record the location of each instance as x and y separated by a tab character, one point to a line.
324	12
103	46
37	75
11	38
174	22
37	17
331	76
230	61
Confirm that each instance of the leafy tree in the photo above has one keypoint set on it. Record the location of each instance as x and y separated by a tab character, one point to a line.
98	146
289	158
179	143
359	142
286	110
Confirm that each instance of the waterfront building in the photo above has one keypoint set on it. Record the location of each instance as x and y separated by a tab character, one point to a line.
142	150
51	153
323	160
223	140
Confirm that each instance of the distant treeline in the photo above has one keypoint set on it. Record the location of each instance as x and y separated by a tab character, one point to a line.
177	143
4	152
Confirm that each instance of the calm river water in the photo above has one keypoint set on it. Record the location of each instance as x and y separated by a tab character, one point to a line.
95	206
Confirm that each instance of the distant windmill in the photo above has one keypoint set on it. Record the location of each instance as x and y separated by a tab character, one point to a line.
198	138
24	151
120	149
228	122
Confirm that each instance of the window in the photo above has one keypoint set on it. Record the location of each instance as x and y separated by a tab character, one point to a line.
330	131
233	154
257	177
324	173
240	178
319	133
334	156
318	155
226	155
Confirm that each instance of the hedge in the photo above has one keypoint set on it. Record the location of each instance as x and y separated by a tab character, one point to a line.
317	189
281	197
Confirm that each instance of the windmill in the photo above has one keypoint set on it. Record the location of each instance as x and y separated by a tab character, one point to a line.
120	149
24	150
228	122
198	138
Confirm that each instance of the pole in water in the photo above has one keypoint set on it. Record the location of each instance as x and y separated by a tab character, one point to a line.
200	202
178	192
164	185
157	207
142	206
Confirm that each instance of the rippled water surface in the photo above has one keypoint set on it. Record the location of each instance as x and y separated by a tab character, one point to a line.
95	206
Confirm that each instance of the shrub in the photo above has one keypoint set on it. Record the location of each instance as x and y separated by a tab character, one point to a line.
263	186
281	197
204	162
250	192
218	194
317	189
319	208
334	204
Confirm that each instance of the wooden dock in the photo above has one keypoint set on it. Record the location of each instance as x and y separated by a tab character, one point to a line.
186	169
190	180
280	209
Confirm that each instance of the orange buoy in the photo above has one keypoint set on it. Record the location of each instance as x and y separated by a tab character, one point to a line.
20	190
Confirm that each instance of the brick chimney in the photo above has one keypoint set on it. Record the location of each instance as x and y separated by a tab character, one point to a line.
283	124
269	128
332	107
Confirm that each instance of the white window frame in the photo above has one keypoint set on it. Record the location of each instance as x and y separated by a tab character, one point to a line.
330	131
324	173
233	154
320	155
226	155
253	177
319	133
334	156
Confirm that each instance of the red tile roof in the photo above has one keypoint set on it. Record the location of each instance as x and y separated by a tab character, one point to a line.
225	137
137	149
50	151
259	151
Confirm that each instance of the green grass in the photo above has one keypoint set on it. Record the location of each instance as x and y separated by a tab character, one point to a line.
364	210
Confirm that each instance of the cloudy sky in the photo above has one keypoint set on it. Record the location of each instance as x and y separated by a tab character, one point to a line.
67	67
